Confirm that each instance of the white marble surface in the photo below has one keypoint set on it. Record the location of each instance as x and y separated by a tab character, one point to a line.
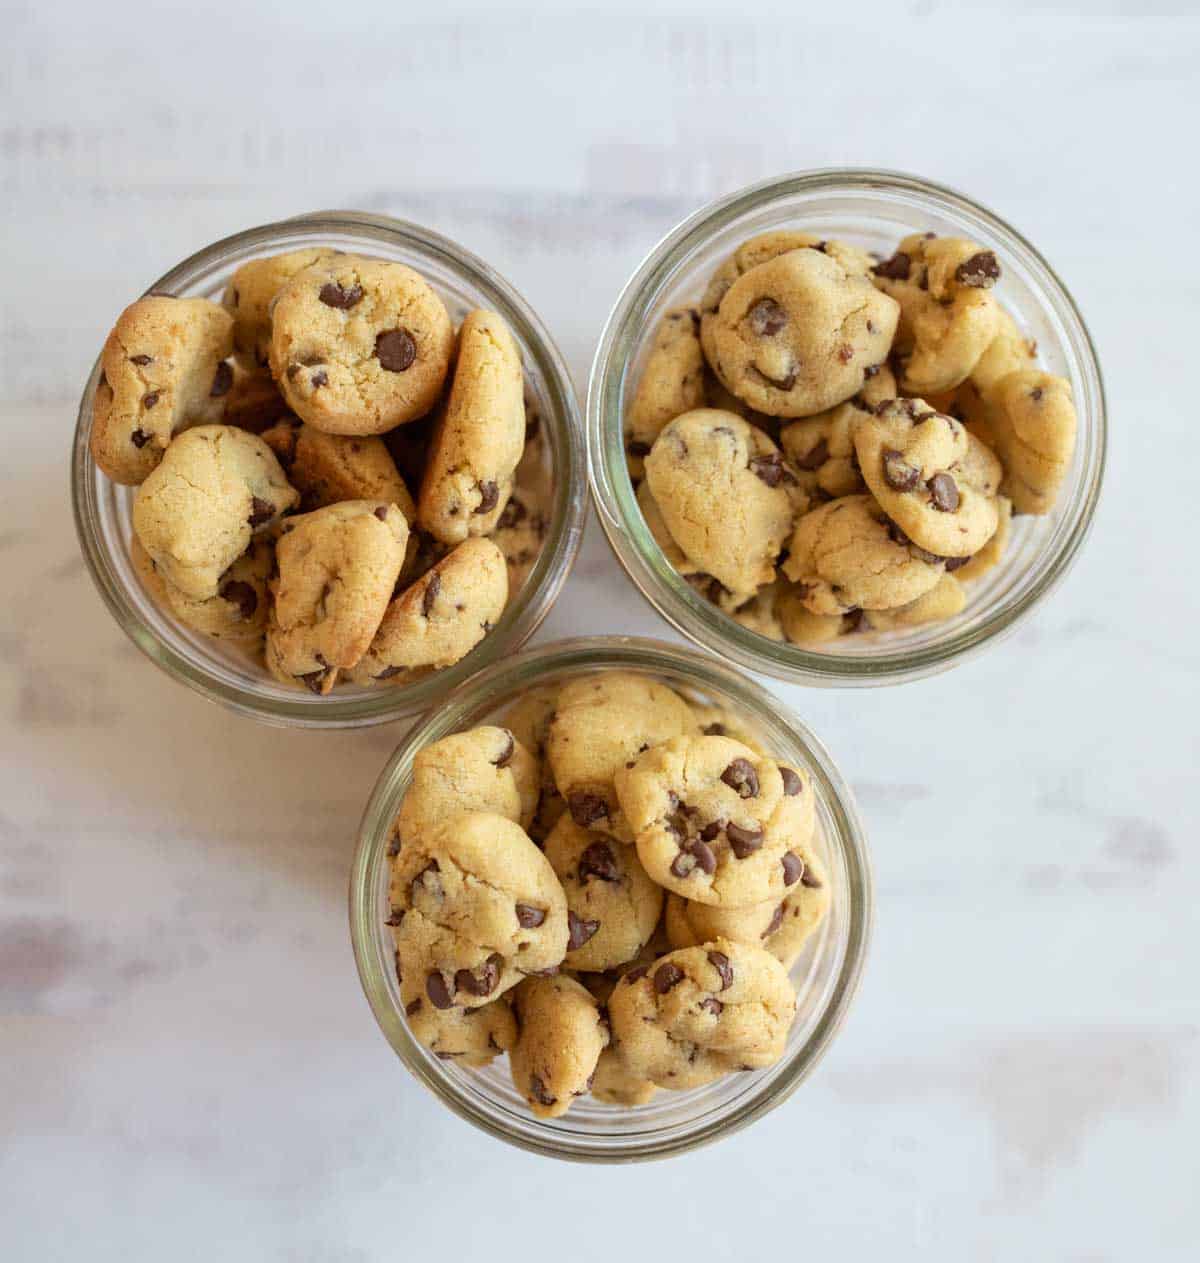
187	1067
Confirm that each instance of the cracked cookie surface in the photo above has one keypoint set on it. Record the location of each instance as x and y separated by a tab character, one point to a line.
251	291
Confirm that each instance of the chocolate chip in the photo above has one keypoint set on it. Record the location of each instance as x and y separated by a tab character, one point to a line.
598	861
314	679
667	976
815	457
489	495
712	1005
810	880
222	380
872	369
776	921
894	269
413	1007
318	379
710	831
743	842
393	848
897	472
148	401
514	513
771	469
792	784
955	563
438	992
139	438
381	512
786	382
636	447
395	917
141	360
579	931
694	854
395	350
260	511
721	963
793	868
767	317
715	730
586	808
238	592
1036	394
981	271
333	295
741	776
845	353
387	673
636	974
484	980
537	1090
504	758
943	491
430	595
529	917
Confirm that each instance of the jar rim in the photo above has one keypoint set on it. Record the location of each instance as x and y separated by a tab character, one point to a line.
501	683
613	493
524	614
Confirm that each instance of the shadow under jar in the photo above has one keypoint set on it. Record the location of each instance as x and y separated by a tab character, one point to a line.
825	975
225	675
872	210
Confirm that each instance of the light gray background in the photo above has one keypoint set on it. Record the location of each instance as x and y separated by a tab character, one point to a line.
187	1067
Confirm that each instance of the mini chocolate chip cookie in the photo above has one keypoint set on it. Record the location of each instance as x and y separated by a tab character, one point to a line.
562	1034
601	723
945	599
478	438
1033	421
519	535
671	383
726	495
802	627
251	292
615	1084
936	481
612	906
337	568
796	335
991	554
821	450
359	345
196	513
469	1037
716	822
475	907
1008	352
162	369
702	1012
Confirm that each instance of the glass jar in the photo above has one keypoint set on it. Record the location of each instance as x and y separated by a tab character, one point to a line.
826	975
872	209
102	508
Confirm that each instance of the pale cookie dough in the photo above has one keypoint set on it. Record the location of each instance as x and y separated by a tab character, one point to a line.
671	383
716	822
780	926
795	335
337	568
612	906
238	611
195	514
945	599
602	722
162	369
470	1037
479	436
726	495
991	554
251	291
936	481
475	907
845	556
444	615
359	345
1033	420
561	1036
615	1084
701	1012
529	721
328	468
483	769
1008	352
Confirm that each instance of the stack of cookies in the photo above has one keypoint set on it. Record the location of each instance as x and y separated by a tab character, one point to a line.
611	886
329	475
833	444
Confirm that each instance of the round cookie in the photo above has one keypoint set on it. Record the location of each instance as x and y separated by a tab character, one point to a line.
337	568
795	335
702	1012
475	907
529	721
671	383
329	468
802	627
615	1084
716	822
1033	420
483	769
561	1036
612	906
471	1037
478	438
238	611
726	495
781	927
945	599
162	369
359	345
195	514
251	291
845	555
601	722
936	481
